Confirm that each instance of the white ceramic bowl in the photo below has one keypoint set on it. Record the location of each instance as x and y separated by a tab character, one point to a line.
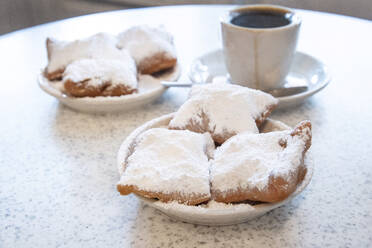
217	214
149	89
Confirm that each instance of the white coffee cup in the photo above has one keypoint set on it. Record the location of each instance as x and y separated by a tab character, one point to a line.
259	58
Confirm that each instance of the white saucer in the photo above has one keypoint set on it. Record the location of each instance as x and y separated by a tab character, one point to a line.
217	214
149	89
306	71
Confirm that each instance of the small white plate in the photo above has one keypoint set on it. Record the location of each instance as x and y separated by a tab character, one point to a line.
217	214
149	89
305	71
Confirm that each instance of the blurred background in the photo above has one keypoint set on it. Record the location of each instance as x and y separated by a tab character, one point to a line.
18	14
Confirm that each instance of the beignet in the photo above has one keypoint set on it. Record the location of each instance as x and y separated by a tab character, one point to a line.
62	53
100	77
223	110
151	48
170	165
265	167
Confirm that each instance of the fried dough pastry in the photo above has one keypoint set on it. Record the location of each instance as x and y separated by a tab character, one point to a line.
151	48
100	77
265	167
62	53
170	165
223	110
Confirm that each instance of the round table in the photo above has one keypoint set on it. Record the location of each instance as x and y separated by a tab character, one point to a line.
58	167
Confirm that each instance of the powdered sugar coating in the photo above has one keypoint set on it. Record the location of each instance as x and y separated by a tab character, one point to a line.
229	108
62	53
204	208
248	160
96	72
144	42
169	161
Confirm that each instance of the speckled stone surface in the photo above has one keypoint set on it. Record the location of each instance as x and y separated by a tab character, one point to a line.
58	167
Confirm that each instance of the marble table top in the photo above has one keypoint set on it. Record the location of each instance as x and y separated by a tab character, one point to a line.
58	171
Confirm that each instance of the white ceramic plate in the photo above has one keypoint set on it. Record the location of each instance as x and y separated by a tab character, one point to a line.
305	71
218	213
149	89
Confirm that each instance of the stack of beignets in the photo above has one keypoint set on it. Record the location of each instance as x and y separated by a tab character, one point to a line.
180	163
101	65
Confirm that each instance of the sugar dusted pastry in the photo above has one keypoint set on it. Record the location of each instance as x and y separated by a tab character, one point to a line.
152	48
264	167
62	53
223	110
170	165
100	77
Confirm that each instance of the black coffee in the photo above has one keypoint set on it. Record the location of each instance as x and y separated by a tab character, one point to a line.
262	19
